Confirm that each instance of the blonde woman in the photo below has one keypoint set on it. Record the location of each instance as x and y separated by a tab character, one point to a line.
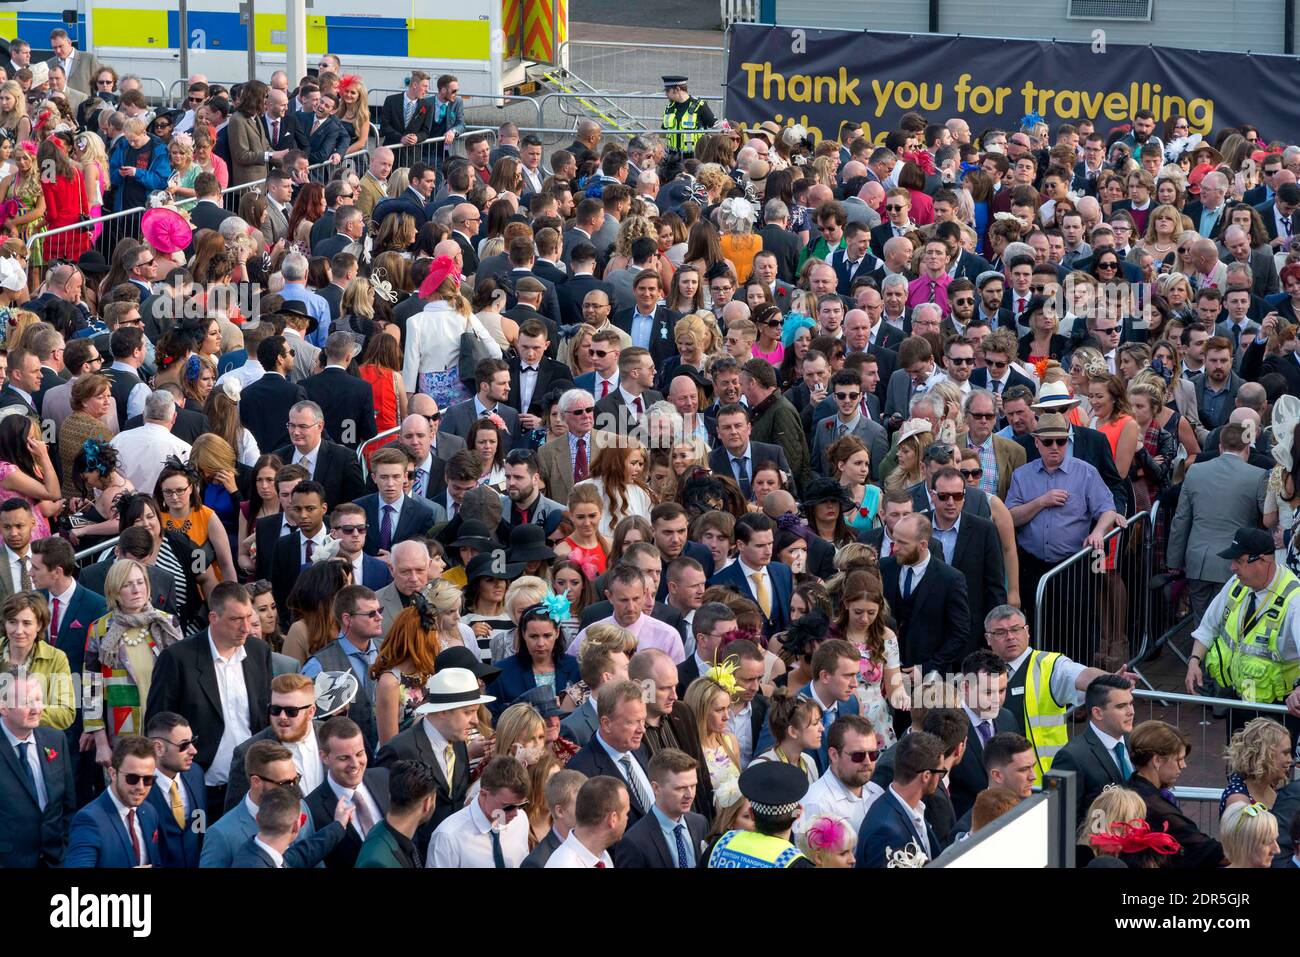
740	244
1110	810
629	231
1248	833
88	153
14	121
716	181
1161	238
446	599
357	309
1259	764
710	701
180	186
354	111
914	438
573	351
522	594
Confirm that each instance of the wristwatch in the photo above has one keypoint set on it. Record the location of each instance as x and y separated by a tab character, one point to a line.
1196	658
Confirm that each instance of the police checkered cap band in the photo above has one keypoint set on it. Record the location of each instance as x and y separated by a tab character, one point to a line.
774	810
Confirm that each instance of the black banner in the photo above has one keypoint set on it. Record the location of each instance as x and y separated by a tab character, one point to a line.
820	78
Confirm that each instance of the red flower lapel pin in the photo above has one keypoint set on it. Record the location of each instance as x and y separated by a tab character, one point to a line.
51	754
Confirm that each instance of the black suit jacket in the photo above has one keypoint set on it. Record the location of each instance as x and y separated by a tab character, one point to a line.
550	306
288	138
49	379
29	836
594	760
786	246
322	803
980	379
469	255
392	119
573	291
1088	757
978	556
1267	212
413	745
539	855
1092	447
662	340
185	681
264	409
208	215
548	371
10	396
267	531
933	623
331	293
1193	212
970	776
348	403
720	460
643	843
550	273
337	469
1199	850
322	230
286	566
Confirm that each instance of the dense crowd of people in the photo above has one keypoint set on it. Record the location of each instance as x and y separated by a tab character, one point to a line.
663	502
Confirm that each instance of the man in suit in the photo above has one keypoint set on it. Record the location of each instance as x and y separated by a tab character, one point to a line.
779	240
334	467
348	779
670	722
279	823
648	324
185	681
636	372
280	123
448	116
24	382
347	401
208	213
566	460
738	456
412	799
391	515
264	406
118	829
999	457
406	118
1099	756
527	295
1218	497
1216	390
492	376
178	796
756	575
414	201
671	835
1208	212
294	550
846	389
268	767
615	749
1237	326
37	790
450	710
896	818
970	545
983	691
589	217
1235	248
349	232
79	67
293	724
834	668
928	599
572	293
321	135
598	666
1282	215
532	373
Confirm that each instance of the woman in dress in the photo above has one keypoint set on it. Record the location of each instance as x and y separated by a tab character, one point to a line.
487	439
92	399
861	622
26	471
1154	461
849	462
24	217
539	661
121	650
796	726
25	647
1108	399
179	491
619	483
740	244
99	481
433	337
570	582
307	208
768	323
380	366
710	697
65	201
404	663
1259	764
180	186
174	554
354	111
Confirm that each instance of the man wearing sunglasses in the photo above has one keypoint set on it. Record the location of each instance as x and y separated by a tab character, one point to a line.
1059	505
118	829
846	789
293	725
361	621
490	831
178	795
898	817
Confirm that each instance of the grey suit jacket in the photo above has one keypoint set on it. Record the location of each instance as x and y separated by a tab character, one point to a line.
871	434
390	603
621	280
1218	497
556	467
580	725
227	837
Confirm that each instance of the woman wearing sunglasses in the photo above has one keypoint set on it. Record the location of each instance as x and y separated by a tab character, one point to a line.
1159	752
121	649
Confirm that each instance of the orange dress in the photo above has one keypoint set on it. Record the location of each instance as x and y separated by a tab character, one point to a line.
1112	431
740	250
381	384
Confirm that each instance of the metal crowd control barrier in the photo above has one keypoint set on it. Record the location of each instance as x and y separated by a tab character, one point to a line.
87	555
621	67
646	108
1091	605
162	97
370	445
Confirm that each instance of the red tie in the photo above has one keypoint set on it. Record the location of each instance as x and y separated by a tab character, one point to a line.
1020	305
600	865
604	388
275	132
54	619
580	467
135	840
639	408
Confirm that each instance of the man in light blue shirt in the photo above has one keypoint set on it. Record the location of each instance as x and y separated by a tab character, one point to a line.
294	271
671	835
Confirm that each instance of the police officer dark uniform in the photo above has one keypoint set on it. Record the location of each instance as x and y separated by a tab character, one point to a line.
685	114
774	791
1248	642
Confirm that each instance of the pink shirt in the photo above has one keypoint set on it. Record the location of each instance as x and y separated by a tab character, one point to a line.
918	291
648	632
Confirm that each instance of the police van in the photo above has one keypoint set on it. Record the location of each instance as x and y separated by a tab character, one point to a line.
487	44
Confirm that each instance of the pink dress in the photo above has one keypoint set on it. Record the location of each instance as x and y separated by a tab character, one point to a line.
42	529
772	358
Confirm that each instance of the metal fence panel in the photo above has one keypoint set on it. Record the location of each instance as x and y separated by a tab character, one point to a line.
633	67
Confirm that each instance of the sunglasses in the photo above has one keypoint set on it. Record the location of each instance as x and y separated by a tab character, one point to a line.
965	301
895	209
996	363
981	415
598	353
587	411
1107	265
519	457
351	529
1107	331
374	614
848	396
857	757
1053	442
962	360
950	496
137	779
291	782
289	710
183	745
969	474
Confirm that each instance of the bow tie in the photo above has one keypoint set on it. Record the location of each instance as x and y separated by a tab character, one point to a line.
528	369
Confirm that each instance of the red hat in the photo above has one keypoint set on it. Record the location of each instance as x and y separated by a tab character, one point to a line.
1196	175
166	230
439	270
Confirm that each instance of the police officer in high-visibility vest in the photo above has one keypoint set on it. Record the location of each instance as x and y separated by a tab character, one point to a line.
1045	686
1248	642
686	114
774	791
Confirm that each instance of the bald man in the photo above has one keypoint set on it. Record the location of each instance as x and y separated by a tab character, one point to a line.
821	553
858	208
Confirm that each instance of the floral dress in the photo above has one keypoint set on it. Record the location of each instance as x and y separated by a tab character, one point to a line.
42	529
873	702
723	772
410	691
29	195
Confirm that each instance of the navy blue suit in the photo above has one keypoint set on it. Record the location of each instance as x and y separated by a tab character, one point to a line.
594	760
348	404
330	137
415	518
692	550
409	202
887	827
177	847
782	581
29	835
842	708
98	837
517	677
375	573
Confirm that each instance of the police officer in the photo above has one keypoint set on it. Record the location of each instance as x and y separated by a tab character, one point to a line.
684	113
1248	642
774	791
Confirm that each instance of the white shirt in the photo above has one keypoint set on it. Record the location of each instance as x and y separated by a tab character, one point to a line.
63	601
1288	638
320	538
306	758
15	566
439	744
742	727
917	814
357	795
573	853
246	374
1109	743
829	796
33	762
271	852
307	460
630	400
122	812
143	450
749	580
918	572
234	710
643	782
464	840
527	385
134	401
